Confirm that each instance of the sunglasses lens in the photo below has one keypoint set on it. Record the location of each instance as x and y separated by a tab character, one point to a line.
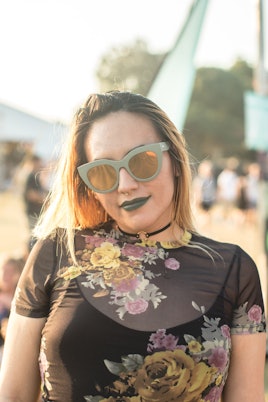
102	177
144	165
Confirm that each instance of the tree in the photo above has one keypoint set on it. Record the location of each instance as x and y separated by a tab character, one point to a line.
128	67
214	125
244	73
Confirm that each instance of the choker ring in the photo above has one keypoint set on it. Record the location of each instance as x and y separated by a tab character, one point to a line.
144	235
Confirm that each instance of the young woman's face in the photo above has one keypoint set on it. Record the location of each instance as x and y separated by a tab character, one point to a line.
112	137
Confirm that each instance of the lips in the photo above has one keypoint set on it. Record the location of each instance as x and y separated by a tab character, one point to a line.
134	204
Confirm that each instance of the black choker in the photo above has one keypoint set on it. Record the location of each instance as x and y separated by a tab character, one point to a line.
144	235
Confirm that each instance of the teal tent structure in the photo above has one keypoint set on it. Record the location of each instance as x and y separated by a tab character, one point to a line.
256	121
172	86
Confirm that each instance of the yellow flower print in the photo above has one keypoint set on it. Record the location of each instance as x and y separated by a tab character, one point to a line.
146	243
186	237
118	275
123	384
219	380
170	244
172	375
194	347
86	255
106	256
72	272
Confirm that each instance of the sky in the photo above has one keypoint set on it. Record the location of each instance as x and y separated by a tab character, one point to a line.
50	49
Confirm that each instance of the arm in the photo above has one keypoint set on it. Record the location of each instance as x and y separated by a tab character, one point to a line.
245	380
19	375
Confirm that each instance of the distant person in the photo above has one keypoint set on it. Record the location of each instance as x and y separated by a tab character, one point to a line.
35	191
228	187
204	186
252	191
10	271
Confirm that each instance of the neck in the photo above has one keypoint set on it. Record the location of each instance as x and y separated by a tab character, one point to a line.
145	235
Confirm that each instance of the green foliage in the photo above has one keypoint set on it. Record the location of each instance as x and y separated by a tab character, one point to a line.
215	120
244	73
128	67
214	125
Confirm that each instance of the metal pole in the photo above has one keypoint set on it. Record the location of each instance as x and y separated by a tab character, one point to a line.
260	84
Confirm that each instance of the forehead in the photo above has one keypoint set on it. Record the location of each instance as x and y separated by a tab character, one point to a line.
117	133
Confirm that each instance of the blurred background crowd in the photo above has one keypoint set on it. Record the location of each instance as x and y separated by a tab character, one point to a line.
226	195
230	177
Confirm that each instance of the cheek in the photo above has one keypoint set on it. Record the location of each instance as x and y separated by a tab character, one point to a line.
106	200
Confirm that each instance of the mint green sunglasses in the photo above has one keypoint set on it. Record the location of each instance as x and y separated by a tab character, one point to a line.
142	163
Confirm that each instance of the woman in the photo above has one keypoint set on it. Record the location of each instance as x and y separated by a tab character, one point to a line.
121	300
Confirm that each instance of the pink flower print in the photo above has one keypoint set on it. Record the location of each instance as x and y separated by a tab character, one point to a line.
126	286
255	313
159	334
111	240
132	250
172	263
183	347
225	330
161	341
137	306
95	241
218	358
157	342
214	394
170	342
152	250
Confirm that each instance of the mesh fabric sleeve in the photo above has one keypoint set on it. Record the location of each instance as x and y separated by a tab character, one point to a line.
32	294
248	315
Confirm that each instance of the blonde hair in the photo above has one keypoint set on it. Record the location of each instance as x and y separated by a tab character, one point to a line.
72	205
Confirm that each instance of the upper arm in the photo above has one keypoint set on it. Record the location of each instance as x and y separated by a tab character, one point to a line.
19	375
245	380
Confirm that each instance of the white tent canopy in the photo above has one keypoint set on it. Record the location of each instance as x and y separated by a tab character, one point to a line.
16	125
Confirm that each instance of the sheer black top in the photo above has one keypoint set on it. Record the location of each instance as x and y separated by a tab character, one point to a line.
138	320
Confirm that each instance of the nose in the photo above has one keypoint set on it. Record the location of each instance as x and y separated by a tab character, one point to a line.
126	182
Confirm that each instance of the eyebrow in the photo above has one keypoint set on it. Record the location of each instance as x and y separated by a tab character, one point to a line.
109	159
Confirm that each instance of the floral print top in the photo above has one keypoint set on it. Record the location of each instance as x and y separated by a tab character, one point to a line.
139	321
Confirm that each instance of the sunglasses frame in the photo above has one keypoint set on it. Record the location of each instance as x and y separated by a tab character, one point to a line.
157	148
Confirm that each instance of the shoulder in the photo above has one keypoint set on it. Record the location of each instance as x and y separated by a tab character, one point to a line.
230	253
215	245
49	249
